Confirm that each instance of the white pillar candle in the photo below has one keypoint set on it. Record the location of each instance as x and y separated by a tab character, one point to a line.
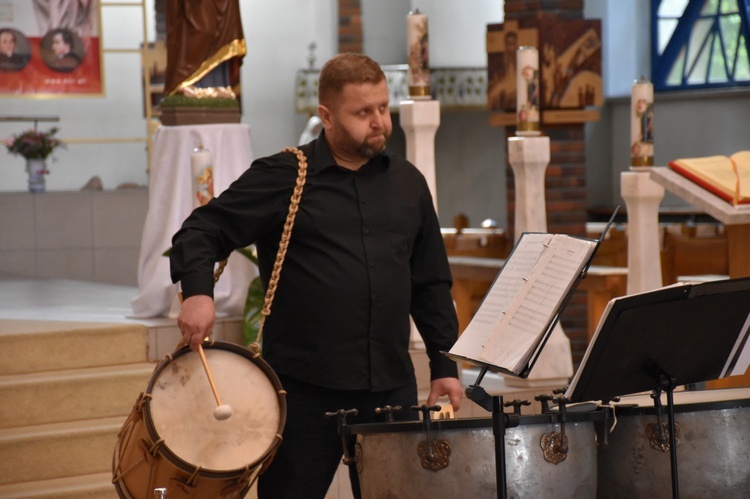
642	124
527	91
202	171
418	48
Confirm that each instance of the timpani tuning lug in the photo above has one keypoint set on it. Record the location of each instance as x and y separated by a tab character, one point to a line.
388	410
516	404
555	445
160	493
341	416
607	424
658	433
544	400
434	455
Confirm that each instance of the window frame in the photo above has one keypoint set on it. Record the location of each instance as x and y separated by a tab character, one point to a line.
662	64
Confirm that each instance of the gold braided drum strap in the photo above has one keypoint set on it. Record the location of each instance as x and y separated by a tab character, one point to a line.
219	270
284	243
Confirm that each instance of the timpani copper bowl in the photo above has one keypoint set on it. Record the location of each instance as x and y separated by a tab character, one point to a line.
457	458
712	429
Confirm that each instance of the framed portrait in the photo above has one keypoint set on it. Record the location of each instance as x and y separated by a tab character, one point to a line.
50	48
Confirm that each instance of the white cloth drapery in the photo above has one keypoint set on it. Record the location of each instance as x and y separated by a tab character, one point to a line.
171	201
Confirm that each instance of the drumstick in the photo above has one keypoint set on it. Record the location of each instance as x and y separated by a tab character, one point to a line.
208	373
222	411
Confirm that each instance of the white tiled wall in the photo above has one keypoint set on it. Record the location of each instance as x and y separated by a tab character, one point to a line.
81	235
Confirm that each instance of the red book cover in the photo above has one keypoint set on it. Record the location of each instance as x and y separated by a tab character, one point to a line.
731	196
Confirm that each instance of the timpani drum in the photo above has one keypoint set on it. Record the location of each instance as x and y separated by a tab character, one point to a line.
172	439
391	458
713	447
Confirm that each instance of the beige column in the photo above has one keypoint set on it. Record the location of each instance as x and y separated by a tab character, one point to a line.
420	120
642	197
529	158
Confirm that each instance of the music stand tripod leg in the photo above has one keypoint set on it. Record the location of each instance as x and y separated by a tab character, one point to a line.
667	384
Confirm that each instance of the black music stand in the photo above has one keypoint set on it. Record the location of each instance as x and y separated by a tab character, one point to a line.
494	403
677	335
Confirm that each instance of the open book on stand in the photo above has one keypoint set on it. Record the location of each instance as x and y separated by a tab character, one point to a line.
726	177
523	304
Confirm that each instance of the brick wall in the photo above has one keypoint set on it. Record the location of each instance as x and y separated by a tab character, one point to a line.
350	26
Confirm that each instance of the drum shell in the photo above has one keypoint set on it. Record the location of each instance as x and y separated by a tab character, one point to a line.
391	467
166	471
713	451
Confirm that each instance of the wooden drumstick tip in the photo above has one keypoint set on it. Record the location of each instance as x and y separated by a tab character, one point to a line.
224	411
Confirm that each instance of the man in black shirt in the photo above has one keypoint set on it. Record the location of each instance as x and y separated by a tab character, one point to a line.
365	253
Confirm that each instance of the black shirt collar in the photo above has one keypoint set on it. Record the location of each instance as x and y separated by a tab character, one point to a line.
322	157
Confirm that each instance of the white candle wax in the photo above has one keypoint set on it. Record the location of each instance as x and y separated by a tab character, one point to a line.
418	48
527	91
642	124
203	176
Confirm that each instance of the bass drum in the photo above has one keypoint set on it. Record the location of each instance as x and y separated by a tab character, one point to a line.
395	460
713	447
172	440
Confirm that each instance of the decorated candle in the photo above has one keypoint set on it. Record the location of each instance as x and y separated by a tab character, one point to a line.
642	123
202	171
527	91
418	46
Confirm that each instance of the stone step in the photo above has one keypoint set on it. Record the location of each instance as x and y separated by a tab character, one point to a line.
96	486
39	346
75	395
59	450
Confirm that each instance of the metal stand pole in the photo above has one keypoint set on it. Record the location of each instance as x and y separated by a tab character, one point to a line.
498	430
668	387
500	422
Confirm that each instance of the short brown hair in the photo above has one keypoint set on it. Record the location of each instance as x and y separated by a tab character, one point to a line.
341	69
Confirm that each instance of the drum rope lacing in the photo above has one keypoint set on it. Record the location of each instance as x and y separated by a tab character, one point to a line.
283	244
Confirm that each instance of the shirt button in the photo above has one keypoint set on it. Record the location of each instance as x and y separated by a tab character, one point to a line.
362	201
372	265
367	231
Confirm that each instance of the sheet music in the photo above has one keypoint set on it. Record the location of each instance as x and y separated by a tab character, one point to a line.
592	342
514	338
506	286
738	363
512	318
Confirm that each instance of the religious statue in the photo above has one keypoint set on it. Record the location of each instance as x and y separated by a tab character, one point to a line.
205	47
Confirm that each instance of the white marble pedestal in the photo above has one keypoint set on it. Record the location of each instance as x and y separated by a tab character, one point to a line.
529	157
642	197
420	120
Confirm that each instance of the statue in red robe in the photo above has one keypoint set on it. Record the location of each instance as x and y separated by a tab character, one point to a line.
205	45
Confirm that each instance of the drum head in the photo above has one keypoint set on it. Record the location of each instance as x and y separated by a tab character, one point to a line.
182	410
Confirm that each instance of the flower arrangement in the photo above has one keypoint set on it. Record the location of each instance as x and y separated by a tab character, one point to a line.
33	144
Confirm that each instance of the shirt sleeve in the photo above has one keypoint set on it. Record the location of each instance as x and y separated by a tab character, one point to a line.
253	205
432	304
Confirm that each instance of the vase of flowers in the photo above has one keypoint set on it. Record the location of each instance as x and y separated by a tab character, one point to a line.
36	147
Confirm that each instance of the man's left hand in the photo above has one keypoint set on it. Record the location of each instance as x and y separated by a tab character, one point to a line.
446	386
